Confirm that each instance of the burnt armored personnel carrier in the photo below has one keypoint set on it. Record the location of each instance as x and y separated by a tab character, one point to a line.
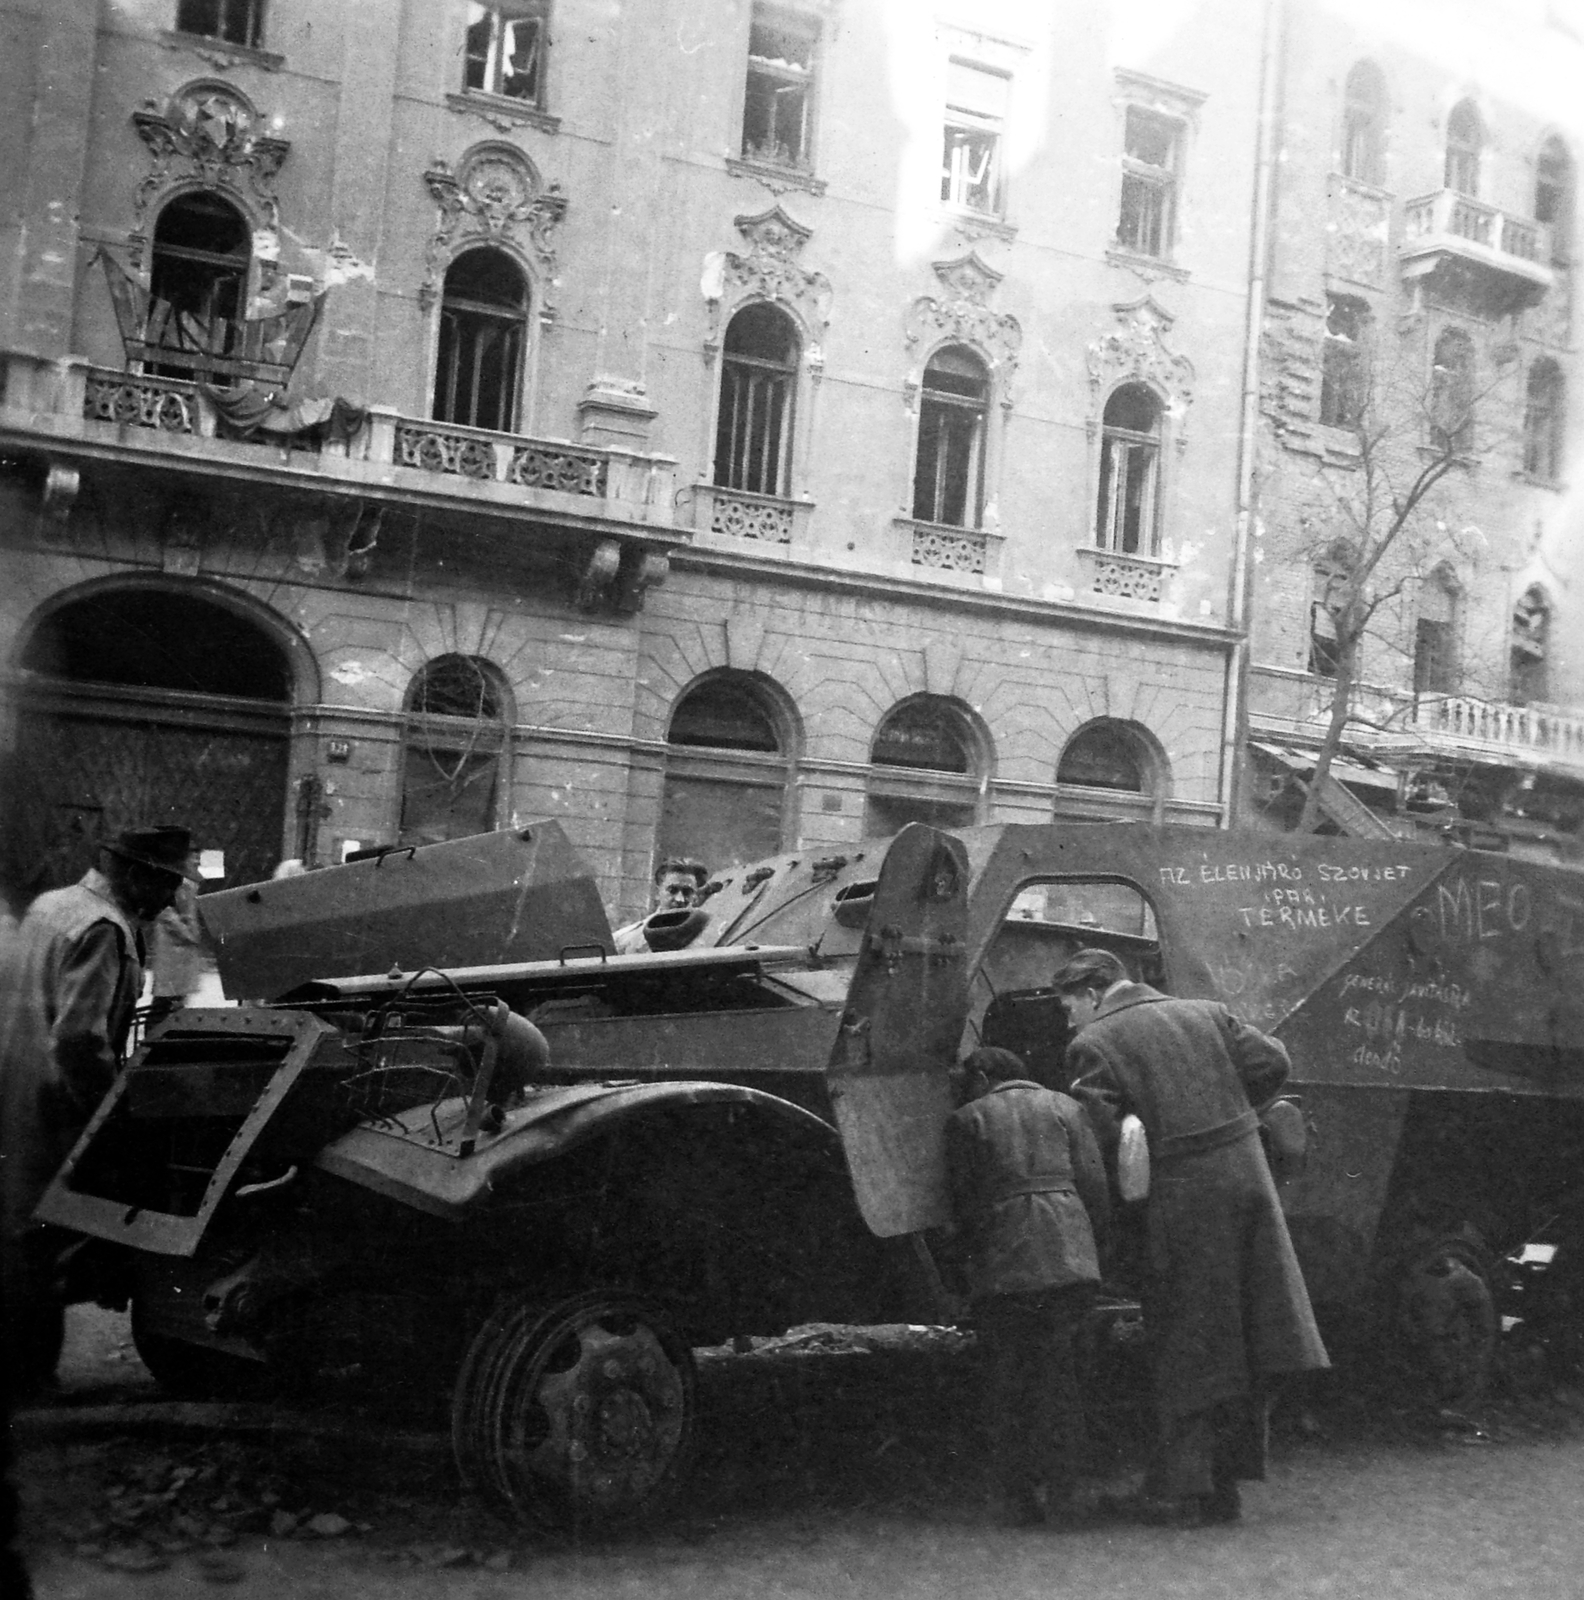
451	1142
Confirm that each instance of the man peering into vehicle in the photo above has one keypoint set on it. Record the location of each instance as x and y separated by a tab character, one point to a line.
1029	1197
1224	1302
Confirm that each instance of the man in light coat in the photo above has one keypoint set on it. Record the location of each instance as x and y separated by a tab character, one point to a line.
1224	1302
72	977
1029	1197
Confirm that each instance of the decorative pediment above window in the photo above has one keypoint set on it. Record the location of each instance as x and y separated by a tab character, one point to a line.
963	316
495	196
768	270
1135	352
213	134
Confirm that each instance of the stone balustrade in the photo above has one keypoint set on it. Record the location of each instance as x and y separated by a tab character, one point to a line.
1121	577
1492	725
1449	223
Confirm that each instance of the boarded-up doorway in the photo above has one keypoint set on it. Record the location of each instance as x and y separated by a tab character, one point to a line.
144	705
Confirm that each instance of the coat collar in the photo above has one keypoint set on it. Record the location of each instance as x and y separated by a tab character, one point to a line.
1125	995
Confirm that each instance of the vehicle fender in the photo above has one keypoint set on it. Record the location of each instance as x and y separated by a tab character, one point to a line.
417	1159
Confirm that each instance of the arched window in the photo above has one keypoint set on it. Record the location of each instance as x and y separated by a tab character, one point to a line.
1452	392
1543	420
726	774
483	331
1109	769
1103	756
198	287
1531	629
456	741
927	767
1126	519
753	431
1464	140
1435	662
1553	202
948	474
1364	124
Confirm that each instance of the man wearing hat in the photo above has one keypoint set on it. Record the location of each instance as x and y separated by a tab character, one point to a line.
73	979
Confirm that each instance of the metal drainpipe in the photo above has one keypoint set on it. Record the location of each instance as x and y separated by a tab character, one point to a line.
1233	701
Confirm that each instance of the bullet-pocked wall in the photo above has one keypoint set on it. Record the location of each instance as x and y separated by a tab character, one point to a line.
942	376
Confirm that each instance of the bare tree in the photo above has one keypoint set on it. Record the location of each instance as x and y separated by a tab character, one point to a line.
1381	524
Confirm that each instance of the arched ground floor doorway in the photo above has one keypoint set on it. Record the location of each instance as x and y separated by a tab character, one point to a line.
146	704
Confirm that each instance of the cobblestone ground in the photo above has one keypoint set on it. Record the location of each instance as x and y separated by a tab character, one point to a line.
833	1464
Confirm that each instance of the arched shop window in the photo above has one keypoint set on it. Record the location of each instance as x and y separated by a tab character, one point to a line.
455	771
925	766
727	768
1109	769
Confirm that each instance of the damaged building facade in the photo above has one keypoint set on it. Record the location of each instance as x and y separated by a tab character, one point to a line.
723	427
1422	317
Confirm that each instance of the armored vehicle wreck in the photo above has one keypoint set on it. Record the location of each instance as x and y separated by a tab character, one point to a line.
450	1142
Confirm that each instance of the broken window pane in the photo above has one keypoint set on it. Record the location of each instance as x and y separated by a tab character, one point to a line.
976	101
235	21
197	285
779	94
1146	217
1343	373
483	327
504	48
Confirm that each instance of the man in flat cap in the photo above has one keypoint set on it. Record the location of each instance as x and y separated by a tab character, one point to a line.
70	985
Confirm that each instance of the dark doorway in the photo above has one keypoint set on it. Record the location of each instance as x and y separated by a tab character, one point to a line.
147	705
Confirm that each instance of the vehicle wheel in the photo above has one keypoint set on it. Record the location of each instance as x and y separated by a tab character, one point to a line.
577	1413
1447	1314
192	1372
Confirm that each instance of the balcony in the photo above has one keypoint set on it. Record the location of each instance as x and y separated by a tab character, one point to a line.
72	411
1533	735
1118	577
1450	233
767	522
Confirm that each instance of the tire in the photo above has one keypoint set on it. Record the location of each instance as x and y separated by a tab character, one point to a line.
194	1372
1446	1314
577	1413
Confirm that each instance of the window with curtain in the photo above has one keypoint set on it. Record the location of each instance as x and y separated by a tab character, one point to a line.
778	101
975	122
948	474
1126	511
504	49
753	431
483	334
198	276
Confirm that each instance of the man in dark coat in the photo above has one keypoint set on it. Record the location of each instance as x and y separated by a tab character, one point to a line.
1224	1302
1029	1196
72	977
